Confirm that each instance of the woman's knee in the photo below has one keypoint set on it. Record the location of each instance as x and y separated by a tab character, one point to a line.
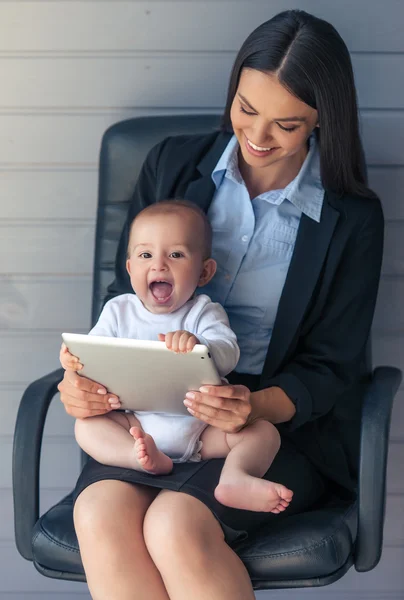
186	525
106	504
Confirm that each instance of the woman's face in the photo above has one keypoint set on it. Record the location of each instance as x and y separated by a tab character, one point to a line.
270	123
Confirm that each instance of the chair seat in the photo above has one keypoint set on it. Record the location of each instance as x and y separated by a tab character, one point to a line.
315	546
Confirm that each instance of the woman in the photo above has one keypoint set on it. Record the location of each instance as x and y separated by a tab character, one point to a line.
298	240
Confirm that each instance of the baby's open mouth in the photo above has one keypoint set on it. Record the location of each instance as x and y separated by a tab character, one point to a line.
161	290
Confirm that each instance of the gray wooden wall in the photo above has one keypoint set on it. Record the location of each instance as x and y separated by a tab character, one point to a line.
68	70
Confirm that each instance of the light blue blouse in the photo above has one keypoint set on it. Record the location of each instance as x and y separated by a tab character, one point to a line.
253	242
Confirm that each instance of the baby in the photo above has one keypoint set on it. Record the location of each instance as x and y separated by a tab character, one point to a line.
168	258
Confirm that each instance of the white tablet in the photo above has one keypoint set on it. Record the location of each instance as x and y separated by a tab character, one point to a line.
145	375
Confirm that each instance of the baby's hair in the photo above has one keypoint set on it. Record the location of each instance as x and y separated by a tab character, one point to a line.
177	206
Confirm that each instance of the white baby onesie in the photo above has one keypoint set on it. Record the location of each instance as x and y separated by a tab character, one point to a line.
125	316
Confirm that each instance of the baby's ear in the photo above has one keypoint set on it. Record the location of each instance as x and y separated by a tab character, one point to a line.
128	265
208	271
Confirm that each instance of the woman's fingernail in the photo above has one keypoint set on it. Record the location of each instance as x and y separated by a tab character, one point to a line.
187	403
191	411
190	395
204	390
101	391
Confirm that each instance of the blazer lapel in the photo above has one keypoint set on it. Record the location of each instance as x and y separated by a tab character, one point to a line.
308	258
202	189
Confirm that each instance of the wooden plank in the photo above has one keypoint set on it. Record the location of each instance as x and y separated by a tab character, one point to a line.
63	194
388	576
64	304
42	302
394	523
48	194
20	364
60	463
395	480
66	248
379	79
381	125
20	576
388	350
34	139
48	248
389	314
169	81
388	183
58	422
393	256
397	419
127	26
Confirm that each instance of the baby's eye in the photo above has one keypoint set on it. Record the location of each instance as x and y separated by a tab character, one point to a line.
176	254
145	255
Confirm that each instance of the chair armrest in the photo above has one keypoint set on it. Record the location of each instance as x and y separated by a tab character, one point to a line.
376	414
26	457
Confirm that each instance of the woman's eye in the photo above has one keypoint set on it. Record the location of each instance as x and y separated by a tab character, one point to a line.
288	129
243	110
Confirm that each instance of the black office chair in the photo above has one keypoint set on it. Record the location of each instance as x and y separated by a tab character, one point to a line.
311	549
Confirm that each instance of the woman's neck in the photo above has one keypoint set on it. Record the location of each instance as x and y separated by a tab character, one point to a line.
275	177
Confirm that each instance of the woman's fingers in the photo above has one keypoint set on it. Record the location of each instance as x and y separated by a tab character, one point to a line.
237	392
228	409
82	397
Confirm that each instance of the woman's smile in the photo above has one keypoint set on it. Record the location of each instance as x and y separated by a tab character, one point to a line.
258	150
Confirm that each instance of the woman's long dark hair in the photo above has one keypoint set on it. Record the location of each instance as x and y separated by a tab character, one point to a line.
312	62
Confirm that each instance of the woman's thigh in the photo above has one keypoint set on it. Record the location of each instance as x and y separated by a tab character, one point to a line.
108	507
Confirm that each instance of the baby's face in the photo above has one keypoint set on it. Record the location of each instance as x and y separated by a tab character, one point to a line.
166	259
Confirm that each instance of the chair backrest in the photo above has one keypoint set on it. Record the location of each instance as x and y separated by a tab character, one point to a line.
124	148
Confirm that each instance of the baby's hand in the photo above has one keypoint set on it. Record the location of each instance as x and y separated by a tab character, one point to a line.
179	341
68	361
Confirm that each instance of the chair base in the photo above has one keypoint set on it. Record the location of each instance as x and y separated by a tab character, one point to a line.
257	585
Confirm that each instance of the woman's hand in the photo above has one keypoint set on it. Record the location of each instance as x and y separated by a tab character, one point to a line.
227	407
84	398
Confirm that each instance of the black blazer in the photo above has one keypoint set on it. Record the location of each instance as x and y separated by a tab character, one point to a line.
317	353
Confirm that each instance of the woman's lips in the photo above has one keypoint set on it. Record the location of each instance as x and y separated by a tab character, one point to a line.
259	153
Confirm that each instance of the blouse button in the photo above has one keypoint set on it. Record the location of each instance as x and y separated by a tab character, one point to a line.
244	238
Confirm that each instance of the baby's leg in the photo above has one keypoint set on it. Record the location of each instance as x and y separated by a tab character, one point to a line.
250	454
109	439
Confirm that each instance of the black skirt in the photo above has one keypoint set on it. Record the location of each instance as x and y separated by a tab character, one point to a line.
290	467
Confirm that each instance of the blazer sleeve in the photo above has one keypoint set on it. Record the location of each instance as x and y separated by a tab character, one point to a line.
143	195
328	358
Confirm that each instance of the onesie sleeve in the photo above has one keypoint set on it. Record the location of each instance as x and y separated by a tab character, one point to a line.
107	324
213	330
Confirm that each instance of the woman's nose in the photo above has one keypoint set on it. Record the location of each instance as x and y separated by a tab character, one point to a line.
262	134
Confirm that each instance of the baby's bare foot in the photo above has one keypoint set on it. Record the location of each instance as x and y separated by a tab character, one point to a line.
148	456
240	490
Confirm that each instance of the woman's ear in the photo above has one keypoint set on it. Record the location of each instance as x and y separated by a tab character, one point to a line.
208	270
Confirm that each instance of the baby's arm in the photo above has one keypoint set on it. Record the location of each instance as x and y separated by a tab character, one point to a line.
213	330
68	361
